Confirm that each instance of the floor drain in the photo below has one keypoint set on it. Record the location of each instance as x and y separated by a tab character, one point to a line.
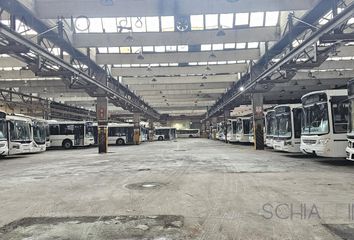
145	185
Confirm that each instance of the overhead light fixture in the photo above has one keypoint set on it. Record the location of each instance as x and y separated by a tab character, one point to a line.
202	85
303	88
319	83
204	77
242	89
220	32
149	69
296	83
129	38
208	68
141	56
212	55
282	91
154	80
340	74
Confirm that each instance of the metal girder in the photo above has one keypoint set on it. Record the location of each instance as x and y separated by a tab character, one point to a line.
263	71
114	91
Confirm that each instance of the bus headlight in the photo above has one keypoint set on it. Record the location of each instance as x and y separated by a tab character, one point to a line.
2	145
323	141
287	143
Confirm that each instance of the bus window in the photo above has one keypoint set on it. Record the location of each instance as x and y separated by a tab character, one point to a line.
53	129
340	117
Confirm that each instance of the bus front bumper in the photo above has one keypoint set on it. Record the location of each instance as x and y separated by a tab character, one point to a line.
350	153
4	150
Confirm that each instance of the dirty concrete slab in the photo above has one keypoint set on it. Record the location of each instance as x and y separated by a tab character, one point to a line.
222	191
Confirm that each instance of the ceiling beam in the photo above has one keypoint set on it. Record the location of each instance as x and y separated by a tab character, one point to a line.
124	8
256	34
171	71
180	57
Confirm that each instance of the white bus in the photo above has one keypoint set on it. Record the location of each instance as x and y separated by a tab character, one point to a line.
20	137
270	126
231	130
325	123
188	133
165	133
120	133
350	135
251	131
144	134
4	150
243	129
70	134
39	134
287	136
220	135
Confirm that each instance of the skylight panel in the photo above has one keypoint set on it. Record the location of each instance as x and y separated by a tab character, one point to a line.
164	64
182	48
253	44
113	50
167	23
171	48
102	50
160	49
148	48
230	45
242	19
272	19
125	50
193	63
124	23
138	24
205	47
96	25
217	47
240	45
197	22
227	20
257	19
109	24
211	21
136	49
152	24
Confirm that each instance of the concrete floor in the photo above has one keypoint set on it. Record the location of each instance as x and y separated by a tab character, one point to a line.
216	190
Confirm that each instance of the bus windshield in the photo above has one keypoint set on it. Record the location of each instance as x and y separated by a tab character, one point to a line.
315	119
89	131
284	125
3	129
20	131
39	132
270	124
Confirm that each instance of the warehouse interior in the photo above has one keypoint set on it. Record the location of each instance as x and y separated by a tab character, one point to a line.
176	119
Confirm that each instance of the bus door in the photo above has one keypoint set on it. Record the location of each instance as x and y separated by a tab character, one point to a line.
129	134
79	134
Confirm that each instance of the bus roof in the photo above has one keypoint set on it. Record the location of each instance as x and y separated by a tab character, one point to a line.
292	106
331	92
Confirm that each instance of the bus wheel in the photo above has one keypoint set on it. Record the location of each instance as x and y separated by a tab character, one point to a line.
67	144
120	142
160	138
190	136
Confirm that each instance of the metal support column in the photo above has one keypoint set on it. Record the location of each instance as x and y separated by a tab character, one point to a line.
226	117
137	133
214	126
102	118
258	122
151	131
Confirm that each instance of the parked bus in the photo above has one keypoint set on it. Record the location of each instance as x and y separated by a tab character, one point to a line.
287	135
350	135
165	133
270	126
71	134
120	133
251	131
220	135
144	134
19	134
231	130
4	150
40	135
325	123
243	129
188	133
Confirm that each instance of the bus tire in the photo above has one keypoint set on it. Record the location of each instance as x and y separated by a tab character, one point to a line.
67	144
160	138
120	142
190	136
